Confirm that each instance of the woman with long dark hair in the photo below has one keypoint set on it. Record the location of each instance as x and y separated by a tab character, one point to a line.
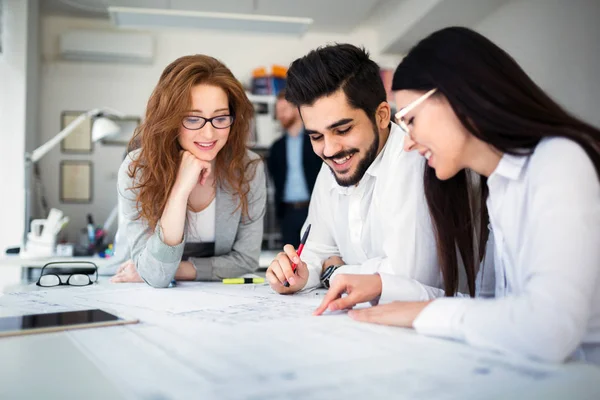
193	196
470	110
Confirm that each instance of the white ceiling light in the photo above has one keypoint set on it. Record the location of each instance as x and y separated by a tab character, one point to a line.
130	17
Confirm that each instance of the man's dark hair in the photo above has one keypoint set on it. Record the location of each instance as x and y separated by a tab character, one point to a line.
341	66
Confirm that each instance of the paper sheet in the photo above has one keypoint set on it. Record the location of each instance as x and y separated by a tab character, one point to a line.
208	340
172	301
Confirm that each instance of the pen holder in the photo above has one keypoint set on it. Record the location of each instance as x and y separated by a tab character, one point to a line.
42	247
37	226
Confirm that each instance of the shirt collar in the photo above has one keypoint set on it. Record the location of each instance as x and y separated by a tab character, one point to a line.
375	167
299	136
510	166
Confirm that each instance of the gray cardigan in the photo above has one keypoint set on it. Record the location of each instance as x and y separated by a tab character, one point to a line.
237	239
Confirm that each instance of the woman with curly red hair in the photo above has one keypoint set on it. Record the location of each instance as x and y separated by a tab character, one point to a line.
192	195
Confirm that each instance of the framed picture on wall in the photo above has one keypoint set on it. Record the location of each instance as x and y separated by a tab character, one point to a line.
75	181
79	141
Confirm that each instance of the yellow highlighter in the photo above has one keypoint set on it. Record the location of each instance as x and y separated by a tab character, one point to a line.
237	281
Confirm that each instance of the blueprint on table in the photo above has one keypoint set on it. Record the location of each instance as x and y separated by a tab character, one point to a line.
209	340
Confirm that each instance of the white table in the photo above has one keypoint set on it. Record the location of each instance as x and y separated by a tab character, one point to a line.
214	341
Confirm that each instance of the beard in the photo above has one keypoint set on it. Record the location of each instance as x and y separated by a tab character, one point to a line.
363	165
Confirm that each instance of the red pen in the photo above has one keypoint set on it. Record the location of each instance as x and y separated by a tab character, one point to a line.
302	243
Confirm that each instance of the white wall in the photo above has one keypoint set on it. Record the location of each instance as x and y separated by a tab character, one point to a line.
13	100
556	43
17	90
81	86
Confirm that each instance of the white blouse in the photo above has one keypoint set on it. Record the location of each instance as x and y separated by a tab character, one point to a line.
545	220
201	226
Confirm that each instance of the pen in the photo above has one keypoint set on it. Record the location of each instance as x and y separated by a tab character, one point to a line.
234	281
300	248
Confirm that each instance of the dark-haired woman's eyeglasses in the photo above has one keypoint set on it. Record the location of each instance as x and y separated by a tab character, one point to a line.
400	114
194	123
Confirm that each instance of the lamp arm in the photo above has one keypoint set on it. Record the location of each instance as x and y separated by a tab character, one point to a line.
46	147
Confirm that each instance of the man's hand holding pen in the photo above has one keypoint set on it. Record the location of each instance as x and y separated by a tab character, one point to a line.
288	273
280	271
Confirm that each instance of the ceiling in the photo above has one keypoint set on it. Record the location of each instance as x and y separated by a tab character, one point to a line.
328	15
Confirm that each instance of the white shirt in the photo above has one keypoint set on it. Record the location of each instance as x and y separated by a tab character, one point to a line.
380	225
201	226
545	219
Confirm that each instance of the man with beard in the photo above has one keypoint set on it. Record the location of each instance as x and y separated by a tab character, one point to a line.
294	168
368	212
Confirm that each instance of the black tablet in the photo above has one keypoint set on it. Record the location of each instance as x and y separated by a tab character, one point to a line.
60	321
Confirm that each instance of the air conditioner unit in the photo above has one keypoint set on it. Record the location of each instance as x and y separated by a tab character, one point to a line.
106	46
